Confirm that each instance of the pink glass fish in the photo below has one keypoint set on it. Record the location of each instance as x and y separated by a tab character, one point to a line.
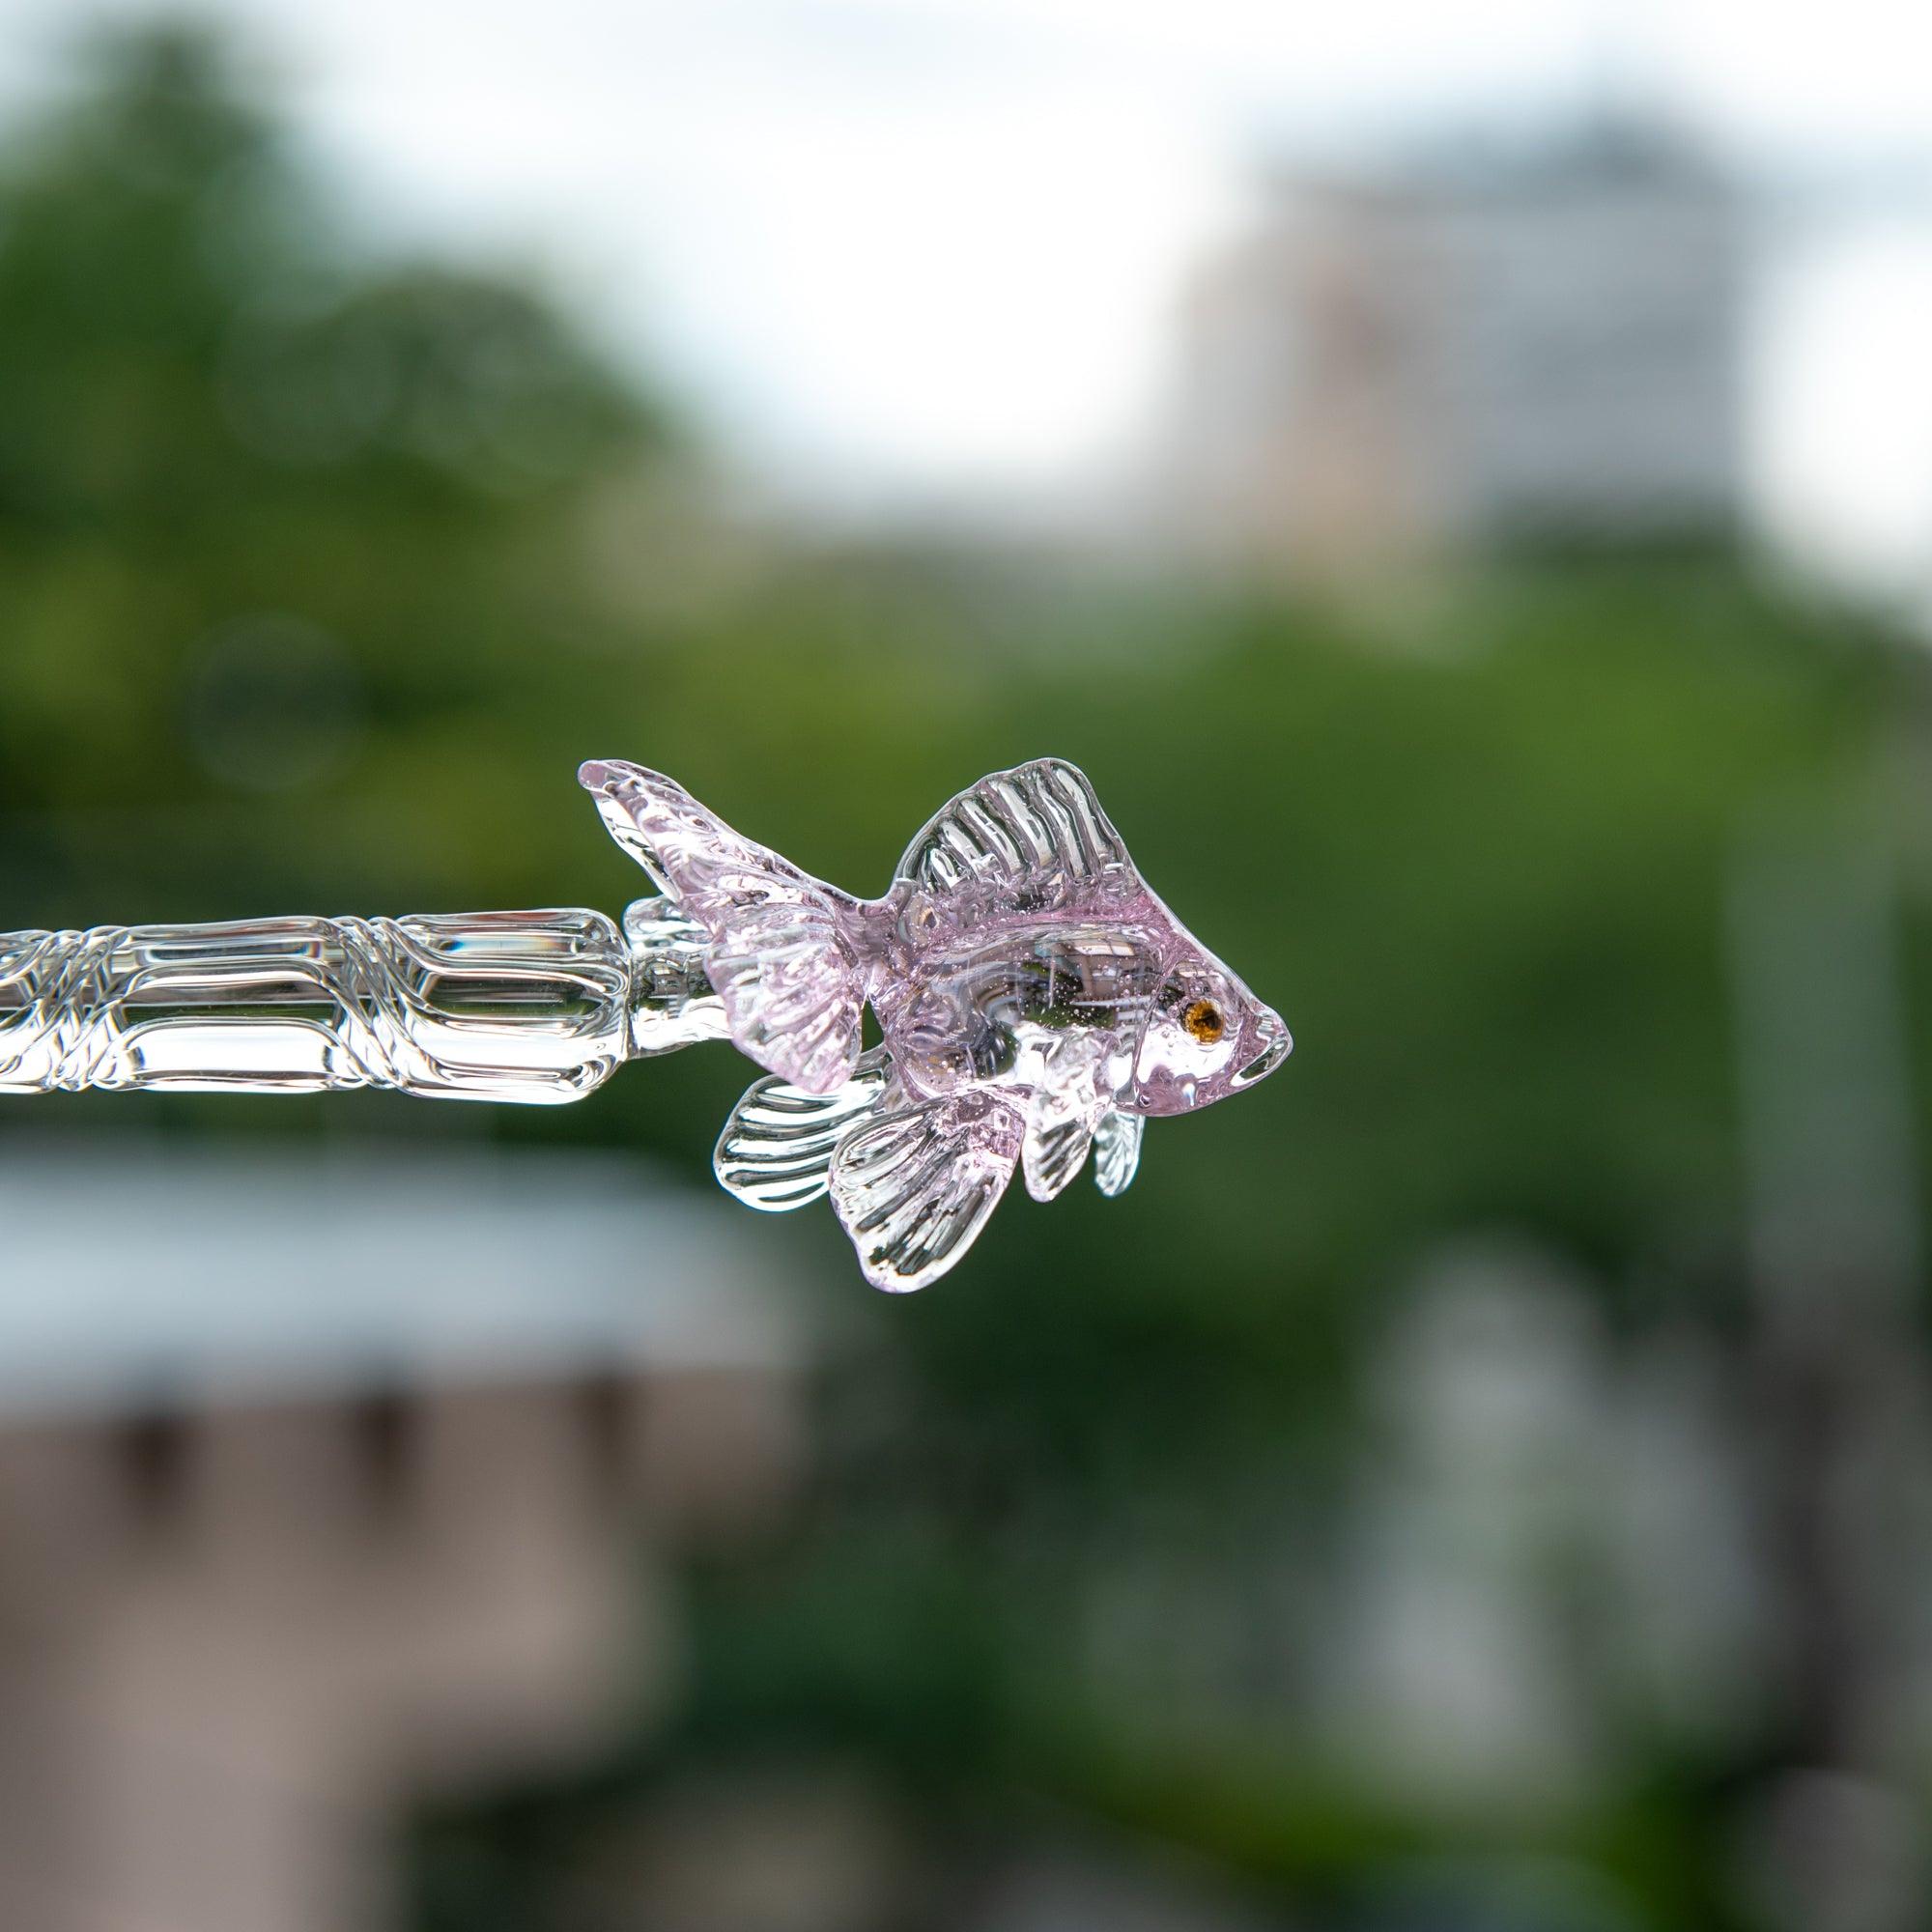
1036	1000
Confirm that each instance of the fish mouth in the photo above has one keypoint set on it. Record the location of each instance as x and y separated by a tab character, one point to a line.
1277	1043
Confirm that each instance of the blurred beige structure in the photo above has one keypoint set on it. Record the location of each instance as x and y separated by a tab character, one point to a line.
319	1490
1398	365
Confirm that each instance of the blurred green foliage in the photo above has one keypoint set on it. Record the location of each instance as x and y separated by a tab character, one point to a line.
320	569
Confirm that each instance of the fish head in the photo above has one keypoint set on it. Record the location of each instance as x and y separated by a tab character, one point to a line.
1207	1036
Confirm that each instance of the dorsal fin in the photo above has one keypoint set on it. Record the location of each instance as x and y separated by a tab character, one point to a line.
1037	826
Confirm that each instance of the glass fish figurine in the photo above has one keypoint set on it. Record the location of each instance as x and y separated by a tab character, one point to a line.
1036	1005
1036	1002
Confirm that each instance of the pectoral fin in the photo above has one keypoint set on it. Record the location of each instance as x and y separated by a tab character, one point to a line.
1117	1151
914	1189
1055	1147
1071	1098
1054	1153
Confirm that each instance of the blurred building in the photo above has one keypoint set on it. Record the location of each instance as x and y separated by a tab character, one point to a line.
1476	350
320	1484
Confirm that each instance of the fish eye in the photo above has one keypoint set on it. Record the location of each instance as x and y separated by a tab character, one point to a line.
1205	1021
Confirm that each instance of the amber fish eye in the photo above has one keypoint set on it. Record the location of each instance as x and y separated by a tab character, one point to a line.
1203	1019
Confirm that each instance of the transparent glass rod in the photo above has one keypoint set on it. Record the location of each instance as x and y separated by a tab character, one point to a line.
494	1005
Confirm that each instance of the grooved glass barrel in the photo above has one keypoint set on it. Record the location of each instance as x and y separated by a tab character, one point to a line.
518	1006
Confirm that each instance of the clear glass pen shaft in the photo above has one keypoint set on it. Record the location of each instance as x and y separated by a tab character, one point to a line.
537	1007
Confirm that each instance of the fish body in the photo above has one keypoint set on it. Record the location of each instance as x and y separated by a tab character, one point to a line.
1037	1003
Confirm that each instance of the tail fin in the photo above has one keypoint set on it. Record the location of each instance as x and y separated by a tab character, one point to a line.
778	955
776	1150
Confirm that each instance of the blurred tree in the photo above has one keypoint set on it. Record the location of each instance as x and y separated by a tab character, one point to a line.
240	457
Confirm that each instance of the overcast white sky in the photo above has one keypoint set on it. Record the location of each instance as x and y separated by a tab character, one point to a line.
929	248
